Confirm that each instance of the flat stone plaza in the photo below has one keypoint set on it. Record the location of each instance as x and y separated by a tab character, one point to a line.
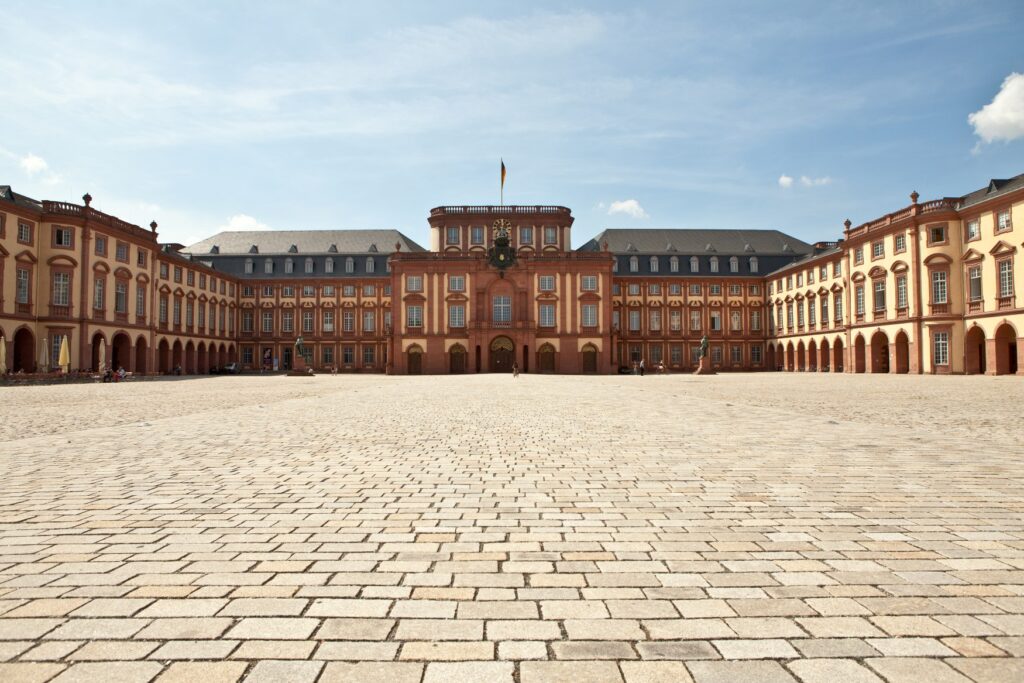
754	527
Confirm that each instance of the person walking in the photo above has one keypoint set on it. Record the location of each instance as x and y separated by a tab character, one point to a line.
641	367
515	369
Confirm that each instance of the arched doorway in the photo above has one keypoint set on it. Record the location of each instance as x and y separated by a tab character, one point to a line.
974	351
879	353
771	357
837	356
1006	350
177	357
190	358
223	355
202	359
546	359
858	354
902	352
801	359
589	359
414	360
824	358
163	357
120	352
502	352
457	359
790	361
97	340
141	366
812	356
24	351
231	354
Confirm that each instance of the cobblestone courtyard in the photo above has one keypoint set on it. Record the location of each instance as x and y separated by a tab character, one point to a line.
779	527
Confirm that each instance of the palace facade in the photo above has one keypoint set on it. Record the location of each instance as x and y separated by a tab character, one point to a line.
930	288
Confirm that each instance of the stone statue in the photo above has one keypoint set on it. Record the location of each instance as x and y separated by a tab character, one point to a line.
704	346
299	349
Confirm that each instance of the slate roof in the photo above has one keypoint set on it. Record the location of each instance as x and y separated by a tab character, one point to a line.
10	195
697	242
304	241
994	188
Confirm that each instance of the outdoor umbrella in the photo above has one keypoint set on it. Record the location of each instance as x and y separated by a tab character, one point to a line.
102	365
65	355
3	355
44	359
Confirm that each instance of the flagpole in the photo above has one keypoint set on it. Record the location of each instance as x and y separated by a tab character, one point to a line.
501	191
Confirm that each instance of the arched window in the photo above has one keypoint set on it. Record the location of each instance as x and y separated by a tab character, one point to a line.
350	265
288	265
369	264
673	264
248	266
329	265
615	266
734	264
714	264
753	264
694	265
309	265
654	264
634	264
268	266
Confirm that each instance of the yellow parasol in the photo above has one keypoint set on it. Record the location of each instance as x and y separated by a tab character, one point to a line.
3	355
65	356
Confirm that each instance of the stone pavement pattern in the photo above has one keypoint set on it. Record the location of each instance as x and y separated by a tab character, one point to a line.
479	528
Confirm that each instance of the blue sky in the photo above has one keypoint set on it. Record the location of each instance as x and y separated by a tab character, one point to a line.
653	114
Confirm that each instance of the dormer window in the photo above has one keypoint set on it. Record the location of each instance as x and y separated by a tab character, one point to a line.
289	267
734	264
714	264
753	264
350	265
329	265
369	264
673	264
634	264
248	266
309	265
268	266
694	265
654	264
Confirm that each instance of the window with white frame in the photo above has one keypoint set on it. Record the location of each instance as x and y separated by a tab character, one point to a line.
456	283
348	355
715	290
734	264
348	321
654	289
369	290
328	321
879	296
974	283
714	264
735	290
163	313
24	232
329	265
370	264
755	321
800	313
653	261
547	315
99	301
695	319
634	289
369	321
368	355
939	287
61	289
289	266
328	355
735	353
755	354
547	283
414	283
859	297
63	237
973	229
901	292
675	354
452	235
789	316
675	320
811	312
501	308
940	348
753	264
268	267
1005	278
268	322
456	315
348	290
328	291
350	264
308	290
694	264
309	265
654	320
695	289
673	264
735	321
589	283
1003	222
877	249
526	234
715	319
634	320
476	234
414	316
248	267
121	297
550	235
634	264
837	306
140	300
675	289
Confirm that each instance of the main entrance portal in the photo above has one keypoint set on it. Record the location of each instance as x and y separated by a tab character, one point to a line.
502	354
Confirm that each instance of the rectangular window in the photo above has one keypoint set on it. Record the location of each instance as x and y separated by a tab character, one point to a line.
348	355
247	322
694	354
675	289
634	321
716	321
547	315
163	271
452	235
140	301
800	313
634	289
755	354
456	283
268	291
348	321
248	292
202	315
695	323
654	289
589	315
716	354
837	268
328	355
526	234
268	267
287	291
824	310
328	321
858	255
62	237
837	304
1003	223
547	283
695	290
414	315
939	287
655	352
191	278
589	283
675	320
202	280
189	313
350	290
974	281
99	301
823	273
369	321
477	234
368	355
901	292
715	290
755	321
735	354
177	273
61	289
879	291
973	230
247	355
101	245
307	321
55	345
675	354
501	309
121	252
1005	278
877	249
140	259
456	315
936	234
308	290
940	348
121	297
163	313
735	290
268	322
810	277
654	320
736	321
328	291
859	295
550	235
414	283
369	290
789	316
616	319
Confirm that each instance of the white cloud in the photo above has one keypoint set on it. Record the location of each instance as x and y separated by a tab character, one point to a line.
785	180
814	182
33	164
1003	117
242	221
629	207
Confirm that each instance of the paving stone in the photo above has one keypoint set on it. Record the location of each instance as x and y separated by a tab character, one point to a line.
286	670
914	670
832	670
655	672
755	649
469	672
372	672
446	651
578	672
990	670
26	672
730	672
207	672
109	672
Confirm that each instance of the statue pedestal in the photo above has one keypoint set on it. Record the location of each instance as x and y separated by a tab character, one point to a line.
299	368
705	367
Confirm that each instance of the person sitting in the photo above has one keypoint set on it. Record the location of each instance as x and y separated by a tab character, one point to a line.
121	374
108	375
